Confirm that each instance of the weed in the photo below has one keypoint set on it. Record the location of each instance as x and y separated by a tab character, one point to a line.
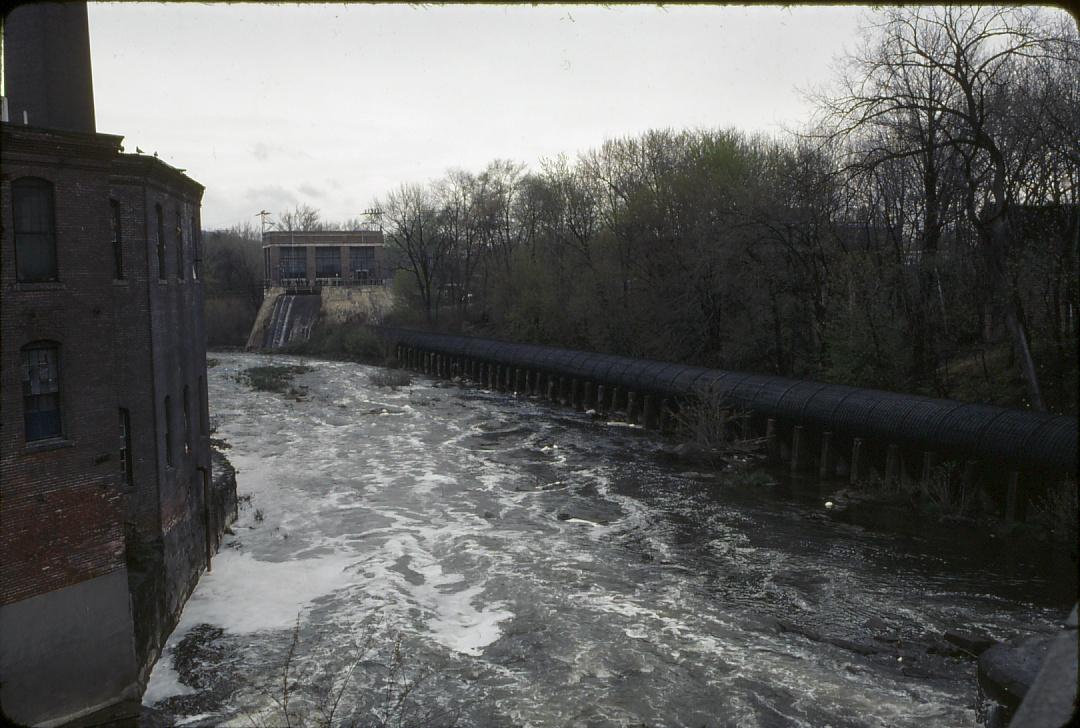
1056	511
273	378
946	491
392	378
258	515
709	422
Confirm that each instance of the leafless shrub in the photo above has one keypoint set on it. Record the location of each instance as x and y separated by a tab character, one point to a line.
946	490
708	421
1057	511
312	690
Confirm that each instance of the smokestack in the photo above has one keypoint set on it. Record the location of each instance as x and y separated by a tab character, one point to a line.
47	78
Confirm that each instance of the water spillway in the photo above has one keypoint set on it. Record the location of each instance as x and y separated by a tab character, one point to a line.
292	317
1019	438
544	568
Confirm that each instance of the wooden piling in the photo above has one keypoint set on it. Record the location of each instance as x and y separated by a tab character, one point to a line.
856	461
650	412
892	465
798	445
551	389
519	382
1010	496
968	479
601	397
667	416
772	445
826	468
632	408
618	403
927	470
589	396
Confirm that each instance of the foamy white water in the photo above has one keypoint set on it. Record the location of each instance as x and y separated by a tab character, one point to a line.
549	571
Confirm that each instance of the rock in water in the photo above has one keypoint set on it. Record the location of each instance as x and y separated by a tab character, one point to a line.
1008	669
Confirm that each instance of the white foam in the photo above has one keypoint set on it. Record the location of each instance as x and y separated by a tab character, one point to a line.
164	682
244	595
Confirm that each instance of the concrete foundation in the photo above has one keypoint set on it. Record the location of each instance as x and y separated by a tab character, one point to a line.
68	652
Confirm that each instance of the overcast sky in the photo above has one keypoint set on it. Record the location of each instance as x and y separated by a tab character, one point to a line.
332	105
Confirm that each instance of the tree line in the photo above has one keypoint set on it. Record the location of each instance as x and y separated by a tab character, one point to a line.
920	235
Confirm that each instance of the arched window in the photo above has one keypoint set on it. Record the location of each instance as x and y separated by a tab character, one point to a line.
34	222
41	390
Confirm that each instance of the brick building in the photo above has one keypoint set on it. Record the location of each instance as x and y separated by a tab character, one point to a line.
105	502
310	259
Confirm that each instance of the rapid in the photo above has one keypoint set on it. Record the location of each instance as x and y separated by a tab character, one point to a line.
520	564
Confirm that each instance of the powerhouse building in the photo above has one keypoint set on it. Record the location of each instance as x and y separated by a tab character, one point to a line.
311	259
106	516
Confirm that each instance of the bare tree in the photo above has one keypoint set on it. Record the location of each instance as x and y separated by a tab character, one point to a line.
412	232
934	85
301	217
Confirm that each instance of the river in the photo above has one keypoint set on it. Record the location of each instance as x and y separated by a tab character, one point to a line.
515	563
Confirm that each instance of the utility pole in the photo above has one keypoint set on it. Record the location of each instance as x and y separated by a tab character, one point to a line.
374	215
263	222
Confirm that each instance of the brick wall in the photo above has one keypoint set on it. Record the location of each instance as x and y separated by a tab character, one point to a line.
60	497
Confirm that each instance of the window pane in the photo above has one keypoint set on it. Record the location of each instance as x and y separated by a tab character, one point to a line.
41	392
293	262
327	262
35	239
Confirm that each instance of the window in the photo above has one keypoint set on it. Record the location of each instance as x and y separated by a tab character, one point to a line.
187	421
125	446
327	262
168	432
160	242
117	247
293	262
179	247
196	249
362	263
33	218
41	390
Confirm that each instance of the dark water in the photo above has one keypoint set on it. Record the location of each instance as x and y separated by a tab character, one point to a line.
525	565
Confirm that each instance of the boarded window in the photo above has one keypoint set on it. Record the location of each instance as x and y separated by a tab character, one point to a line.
125	446
161	272
33	221
293	262
117	243
41	391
